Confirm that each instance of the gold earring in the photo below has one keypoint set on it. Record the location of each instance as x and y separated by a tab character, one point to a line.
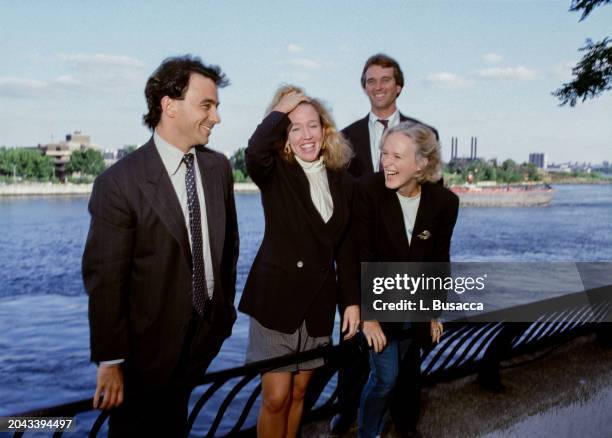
287	148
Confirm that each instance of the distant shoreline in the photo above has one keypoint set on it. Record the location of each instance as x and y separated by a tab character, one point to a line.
51	189
67	189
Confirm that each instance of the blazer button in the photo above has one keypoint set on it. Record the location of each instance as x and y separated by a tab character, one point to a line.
300	264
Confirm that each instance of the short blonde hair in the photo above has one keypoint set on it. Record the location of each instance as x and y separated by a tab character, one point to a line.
335	149
427	146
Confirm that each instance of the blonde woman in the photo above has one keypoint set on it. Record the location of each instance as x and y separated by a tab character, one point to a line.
306	264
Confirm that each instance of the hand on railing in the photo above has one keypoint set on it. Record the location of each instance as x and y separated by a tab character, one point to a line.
436	328
350	321
374	334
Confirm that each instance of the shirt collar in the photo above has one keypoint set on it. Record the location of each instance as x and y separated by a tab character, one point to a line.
393	119
171	156
311	167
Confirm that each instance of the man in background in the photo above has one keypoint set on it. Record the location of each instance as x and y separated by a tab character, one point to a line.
382	81
160	259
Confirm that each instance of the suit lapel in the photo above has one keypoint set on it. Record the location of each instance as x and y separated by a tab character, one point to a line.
159	191
393	219
215	205
363	143
334	182
423	220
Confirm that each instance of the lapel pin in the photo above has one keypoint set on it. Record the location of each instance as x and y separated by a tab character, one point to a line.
424	235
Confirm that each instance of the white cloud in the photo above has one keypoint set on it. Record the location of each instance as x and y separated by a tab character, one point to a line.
520	73
562	71
294	48
19	87
446	80
23	87
304	63
100	59
492	58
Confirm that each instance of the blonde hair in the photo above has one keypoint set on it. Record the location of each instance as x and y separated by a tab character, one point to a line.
335	149
427	146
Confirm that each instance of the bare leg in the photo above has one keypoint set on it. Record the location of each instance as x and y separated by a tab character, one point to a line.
300	383
276	390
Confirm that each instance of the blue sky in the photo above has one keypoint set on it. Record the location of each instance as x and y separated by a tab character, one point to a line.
472	68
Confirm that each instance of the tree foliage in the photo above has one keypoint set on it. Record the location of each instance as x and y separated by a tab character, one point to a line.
592	75
26	164
238	163
586	6
508	172
86	162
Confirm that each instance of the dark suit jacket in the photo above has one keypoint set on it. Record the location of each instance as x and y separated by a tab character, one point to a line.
379	229
137	266
303	266
358	135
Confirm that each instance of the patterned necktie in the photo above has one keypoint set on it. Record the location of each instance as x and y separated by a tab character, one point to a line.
385	124
198	278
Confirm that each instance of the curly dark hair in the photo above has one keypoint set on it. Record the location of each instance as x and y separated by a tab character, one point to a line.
171	79
385	61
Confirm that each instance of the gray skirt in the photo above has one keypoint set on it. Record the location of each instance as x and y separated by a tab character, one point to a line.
265	343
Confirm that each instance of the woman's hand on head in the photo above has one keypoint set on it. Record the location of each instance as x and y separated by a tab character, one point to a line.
350	321
289	101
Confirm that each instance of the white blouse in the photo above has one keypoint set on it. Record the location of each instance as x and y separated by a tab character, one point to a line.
319	186
410	206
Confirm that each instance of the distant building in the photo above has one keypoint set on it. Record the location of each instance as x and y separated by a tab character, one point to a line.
60	152
111	156
538	160
455	149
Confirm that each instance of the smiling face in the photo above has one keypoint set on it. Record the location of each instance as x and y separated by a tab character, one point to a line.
382	90
305	133
196	114
400	163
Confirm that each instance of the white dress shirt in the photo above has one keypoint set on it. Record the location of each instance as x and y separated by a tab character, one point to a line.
376	132
172	157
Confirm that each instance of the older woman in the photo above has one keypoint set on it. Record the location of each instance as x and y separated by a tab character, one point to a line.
401	216
305	264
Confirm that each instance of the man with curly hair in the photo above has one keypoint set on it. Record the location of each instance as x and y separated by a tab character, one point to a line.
160	259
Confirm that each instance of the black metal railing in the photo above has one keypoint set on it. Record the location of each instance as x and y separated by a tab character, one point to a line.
462	350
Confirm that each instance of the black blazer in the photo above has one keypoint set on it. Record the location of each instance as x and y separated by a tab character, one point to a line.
358	135
303	266
137	266
379	229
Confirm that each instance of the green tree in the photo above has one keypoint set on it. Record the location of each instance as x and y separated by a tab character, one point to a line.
238	163
87	162
129	148
592	75
26	163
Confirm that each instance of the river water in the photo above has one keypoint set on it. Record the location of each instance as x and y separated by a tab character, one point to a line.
44	338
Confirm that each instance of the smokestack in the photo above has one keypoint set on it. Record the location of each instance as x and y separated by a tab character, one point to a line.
475	147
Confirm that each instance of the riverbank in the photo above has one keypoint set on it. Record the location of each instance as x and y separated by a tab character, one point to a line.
50	189
579	180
